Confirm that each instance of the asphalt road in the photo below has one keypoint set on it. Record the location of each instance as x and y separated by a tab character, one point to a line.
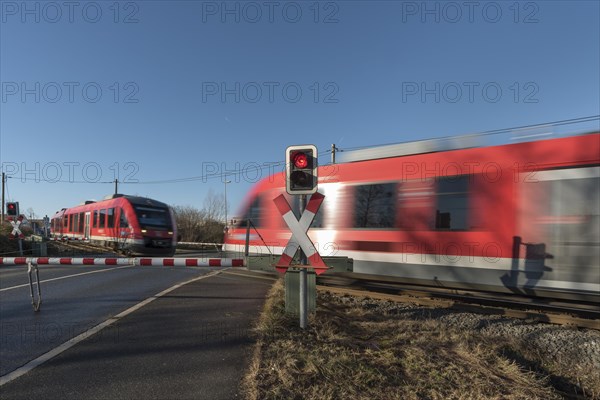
192	342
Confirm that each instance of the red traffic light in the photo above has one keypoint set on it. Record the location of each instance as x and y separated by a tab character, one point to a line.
12	209
301	169
300	160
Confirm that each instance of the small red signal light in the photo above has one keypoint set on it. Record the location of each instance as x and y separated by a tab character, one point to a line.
12	209
300	160
301	169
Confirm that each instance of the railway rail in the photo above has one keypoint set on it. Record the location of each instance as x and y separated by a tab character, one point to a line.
83	247
580	315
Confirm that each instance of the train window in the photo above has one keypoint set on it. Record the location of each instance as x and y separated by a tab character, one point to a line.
571	214
123	220
452	203
102	222
152	216
95	219
66	219
375	205
319	218
111	218
81	219
254	213
75	225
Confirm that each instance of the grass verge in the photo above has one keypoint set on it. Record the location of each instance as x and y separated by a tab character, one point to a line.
358	350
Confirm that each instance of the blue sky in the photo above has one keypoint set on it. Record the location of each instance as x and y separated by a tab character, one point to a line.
154	91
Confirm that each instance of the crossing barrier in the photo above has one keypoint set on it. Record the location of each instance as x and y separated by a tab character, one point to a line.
134	261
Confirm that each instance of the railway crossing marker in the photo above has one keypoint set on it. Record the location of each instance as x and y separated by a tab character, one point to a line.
299	237
16	232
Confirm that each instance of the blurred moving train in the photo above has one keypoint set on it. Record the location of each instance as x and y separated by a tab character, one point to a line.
134	225
521	218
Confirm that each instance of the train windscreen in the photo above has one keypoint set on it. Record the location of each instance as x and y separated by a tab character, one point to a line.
152	217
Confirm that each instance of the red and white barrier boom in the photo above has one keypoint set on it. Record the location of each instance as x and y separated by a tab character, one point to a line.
299	237
155	262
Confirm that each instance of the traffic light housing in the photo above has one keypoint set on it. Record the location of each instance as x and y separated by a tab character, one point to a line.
301	169
12	209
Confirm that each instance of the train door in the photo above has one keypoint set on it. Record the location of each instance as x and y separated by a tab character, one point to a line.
87	225
562	212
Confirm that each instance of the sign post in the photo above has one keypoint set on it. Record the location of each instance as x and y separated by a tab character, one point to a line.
16	233
303	276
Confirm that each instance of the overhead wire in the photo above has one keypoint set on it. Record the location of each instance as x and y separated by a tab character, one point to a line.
274	164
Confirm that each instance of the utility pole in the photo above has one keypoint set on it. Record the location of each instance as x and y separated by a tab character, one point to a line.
226	182
3	179
116	186
333	150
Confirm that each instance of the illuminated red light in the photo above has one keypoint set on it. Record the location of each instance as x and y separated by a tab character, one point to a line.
300	160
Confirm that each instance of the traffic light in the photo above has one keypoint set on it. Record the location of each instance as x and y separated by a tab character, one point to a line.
12	209
301	169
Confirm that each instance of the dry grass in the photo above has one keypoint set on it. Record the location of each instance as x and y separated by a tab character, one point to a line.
355	353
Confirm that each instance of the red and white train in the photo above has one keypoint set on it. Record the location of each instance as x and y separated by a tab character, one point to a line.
134	225
521	218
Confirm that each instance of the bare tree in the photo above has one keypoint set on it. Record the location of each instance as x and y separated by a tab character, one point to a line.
189	221
205	225
214	206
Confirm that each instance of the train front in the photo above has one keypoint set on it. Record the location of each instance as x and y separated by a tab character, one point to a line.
156	230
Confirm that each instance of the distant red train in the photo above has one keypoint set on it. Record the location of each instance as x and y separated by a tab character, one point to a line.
521	218
134	225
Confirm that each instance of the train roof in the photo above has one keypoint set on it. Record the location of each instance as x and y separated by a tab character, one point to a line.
135	200
138	200
531	133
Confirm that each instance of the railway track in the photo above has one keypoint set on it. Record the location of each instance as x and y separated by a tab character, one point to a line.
85	248
581	315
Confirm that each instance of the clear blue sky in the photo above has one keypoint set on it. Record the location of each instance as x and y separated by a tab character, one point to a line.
179	85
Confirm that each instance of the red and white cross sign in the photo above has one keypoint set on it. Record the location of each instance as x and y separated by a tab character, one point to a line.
16	231
299	237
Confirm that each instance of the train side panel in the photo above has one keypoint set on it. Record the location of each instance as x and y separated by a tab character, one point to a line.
130	224
518	218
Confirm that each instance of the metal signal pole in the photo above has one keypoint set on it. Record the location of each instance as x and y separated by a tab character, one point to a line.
116	186
303	277
3	179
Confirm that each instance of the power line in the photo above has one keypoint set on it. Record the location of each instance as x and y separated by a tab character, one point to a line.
272	165
46	180
497	131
